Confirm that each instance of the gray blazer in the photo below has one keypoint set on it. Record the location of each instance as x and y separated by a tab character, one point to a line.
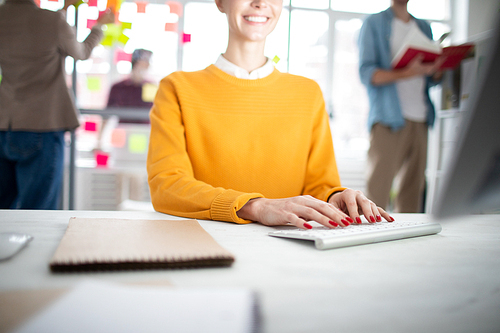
33	45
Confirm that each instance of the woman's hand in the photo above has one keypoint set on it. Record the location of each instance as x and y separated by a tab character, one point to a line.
354	203
68	3
107	17
414	67
296	211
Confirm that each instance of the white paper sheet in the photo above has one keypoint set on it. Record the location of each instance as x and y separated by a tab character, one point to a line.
104	307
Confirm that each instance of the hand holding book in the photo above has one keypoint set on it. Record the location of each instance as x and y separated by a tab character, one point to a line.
451	56
417	44
417	66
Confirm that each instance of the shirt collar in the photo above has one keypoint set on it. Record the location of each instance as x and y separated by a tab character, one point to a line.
226	66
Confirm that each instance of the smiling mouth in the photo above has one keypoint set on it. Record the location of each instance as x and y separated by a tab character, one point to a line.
256	19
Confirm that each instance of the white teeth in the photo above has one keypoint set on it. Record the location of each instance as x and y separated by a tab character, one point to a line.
258	19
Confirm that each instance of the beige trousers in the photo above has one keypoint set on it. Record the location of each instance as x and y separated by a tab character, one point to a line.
401	154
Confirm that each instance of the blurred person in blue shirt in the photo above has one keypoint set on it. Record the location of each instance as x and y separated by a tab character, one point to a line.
400	107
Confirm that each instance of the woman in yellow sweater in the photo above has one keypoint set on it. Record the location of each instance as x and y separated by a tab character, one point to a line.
240	142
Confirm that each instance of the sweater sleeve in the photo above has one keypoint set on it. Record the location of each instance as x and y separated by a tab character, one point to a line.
68	44
322	177
174	189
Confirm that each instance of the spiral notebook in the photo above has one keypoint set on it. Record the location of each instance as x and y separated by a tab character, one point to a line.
91	244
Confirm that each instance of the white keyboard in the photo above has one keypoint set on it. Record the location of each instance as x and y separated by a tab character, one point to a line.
357	234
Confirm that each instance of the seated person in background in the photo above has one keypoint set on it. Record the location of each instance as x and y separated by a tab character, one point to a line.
129	91
240	141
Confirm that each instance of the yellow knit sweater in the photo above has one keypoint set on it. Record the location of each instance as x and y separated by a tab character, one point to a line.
218	141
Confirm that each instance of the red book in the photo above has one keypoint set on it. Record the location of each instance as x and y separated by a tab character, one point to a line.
417	43
453	55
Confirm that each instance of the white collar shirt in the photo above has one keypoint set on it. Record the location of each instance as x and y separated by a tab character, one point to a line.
228	67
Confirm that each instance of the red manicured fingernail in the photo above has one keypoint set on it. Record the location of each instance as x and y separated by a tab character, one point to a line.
345	222
308	226
335	224
372	219
379	218
349	219
358	219
392	218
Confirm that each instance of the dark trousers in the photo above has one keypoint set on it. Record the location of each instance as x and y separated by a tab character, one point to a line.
31	169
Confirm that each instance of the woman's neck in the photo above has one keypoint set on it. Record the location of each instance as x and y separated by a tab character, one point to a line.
247	55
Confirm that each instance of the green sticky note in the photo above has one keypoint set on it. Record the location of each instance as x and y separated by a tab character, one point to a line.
0	78
137	143
93	83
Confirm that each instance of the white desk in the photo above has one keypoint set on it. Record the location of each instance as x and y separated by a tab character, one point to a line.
448	282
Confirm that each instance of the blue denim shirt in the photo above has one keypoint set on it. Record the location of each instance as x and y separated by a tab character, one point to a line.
375	53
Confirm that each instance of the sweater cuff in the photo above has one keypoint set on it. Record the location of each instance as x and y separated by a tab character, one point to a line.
226	204
333	191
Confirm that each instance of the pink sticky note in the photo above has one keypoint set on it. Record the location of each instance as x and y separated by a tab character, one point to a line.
118	138
92	3
171	27
121	55
91	23
175	7
101	158
141	6
90	126
186	38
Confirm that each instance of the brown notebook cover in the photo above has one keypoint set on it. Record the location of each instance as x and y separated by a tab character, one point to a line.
91	244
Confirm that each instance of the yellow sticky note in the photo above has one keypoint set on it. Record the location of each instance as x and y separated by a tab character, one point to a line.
276	59
112	30
149	92
126	25
123	39
107	41
93	83
137	143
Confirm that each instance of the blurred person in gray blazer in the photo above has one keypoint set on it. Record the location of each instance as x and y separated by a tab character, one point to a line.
36	106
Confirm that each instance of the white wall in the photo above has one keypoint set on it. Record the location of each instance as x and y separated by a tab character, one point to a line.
473	17
482	15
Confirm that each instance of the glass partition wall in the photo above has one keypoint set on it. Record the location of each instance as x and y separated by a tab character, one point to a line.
314	38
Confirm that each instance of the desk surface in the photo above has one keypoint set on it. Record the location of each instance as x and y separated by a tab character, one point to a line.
448	282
